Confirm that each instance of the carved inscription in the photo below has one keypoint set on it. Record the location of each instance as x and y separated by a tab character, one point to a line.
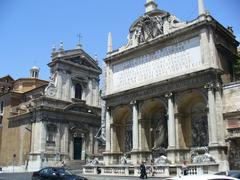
161	89
168	62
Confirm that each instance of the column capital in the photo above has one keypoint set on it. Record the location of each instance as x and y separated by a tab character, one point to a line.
218	86
168	95
108	108
209	86
133	102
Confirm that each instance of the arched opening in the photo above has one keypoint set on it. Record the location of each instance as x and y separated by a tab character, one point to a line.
122	130
199	125
193	120
78	91
154	133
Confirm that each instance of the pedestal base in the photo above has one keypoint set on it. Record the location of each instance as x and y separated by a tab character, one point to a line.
137	157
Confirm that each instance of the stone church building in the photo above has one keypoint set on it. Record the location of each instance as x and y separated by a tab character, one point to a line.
171	96
43	123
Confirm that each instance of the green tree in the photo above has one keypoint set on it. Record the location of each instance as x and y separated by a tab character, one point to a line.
237	68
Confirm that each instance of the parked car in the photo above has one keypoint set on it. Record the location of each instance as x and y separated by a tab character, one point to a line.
55	173
203	177
232	173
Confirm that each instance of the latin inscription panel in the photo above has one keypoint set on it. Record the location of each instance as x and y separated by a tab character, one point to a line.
164	63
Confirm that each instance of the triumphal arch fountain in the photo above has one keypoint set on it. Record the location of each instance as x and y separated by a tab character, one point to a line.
164	95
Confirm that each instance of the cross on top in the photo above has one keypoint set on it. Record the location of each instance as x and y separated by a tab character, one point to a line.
79	38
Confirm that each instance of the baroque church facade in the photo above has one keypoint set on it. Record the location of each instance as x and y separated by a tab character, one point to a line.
44	123
171	96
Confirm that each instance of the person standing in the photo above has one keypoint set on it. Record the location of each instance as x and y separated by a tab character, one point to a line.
184	168
143	173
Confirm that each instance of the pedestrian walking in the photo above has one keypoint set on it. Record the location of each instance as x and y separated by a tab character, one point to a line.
143	172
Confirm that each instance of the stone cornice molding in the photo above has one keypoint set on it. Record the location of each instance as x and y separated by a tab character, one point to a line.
179	84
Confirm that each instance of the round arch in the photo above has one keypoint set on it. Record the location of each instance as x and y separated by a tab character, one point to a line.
153	131
192	119
122	129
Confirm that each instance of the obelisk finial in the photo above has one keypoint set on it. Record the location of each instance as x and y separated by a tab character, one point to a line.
109	48
201	7
150	6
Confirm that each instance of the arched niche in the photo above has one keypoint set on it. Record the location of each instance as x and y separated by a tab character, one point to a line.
122	130
193	120
153	131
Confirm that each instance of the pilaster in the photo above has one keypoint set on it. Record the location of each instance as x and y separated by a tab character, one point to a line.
83	155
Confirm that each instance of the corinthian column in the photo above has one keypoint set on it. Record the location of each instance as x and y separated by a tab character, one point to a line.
171	123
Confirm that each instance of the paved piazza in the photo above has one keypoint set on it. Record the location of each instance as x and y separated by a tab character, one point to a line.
27	176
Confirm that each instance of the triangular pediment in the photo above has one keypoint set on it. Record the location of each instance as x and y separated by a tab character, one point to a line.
83	59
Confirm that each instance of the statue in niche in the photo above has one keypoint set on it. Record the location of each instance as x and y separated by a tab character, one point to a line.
199	126
160	134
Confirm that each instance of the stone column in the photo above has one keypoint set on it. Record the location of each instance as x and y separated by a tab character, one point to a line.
171	129
219	115
171	122
135	129
217	147
212	128
108	135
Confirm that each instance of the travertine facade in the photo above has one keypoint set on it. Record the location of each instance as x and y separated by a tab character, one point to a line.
168	93
55	122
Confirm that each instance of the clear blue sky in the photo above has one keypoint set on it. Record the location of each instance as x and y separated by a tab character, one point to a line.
29	28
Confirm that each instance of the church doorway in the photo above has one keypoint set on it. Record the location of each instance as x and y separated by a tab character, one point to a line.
77	148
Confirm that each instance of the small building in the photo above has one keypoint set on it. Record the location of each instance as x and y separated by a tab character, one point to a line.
45	123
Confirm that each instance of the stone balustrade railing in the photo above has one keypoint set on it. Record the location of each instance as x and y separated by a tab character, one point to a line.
234	132
156	170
